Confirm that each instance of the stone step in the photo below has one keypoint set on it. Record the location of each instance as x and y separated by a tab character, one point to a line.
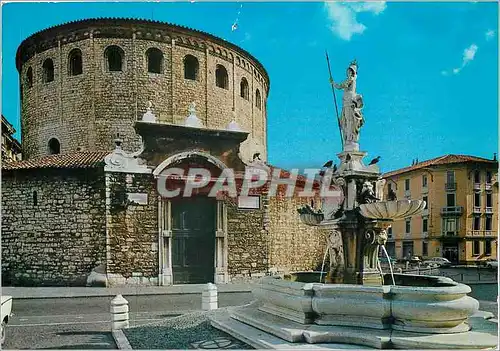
263	330
262	340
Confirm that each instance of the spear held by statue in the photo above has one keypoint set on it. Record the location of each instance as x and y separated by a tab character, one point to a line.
334	99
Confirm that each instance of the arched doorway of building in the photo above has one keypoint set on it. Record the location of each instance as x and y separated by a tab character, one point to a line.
193	239
192	230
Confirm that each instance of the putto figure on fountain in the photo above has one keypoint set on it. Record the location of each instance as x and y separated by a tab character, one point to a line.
351	119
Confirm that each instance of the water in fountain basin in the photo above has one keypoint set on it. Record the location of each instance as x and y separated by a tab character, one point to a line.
323	264
390	264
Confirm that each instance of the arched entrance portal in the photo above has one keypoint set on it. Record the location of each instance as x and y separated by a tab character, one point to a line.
193	239
192	230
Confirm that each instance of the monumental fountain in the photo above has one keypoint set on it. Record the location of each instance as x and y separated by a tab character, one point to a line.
355	303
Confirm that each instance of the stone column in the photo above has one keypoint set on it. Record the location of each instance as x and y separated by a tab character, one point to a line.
361	239
349	229
221	245
165	224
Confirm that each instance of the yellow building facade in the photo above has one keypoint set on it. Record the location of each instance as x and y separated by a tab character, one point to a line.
460	221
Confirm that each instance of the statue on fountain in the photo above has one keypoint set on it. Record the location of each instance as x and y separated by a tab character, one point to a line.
367	195
351	119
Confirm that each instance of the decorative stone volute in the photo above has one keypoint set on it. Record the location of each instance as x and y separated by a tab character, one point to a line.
120	161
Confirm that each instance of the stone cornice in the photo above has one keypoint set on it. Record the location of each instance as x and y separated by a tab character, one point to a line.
142	29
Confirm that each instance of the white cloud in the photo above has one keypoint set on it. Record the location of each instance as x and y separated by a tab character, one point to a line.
490	34
343	16
468	55
376	7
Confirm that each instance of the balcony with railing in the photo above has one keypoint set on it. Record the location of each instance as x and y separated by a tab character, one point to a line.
476	209
481	234
451	186
488	210
477	186
487	186
452	211
449	236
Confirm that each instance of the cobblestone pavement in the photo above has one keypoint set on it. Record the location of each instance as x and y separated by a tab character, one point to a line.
65	337
189	331
85	323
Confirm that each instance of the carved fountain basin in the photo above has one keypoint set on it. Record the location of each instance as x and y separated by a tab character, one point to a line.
422	304
392	210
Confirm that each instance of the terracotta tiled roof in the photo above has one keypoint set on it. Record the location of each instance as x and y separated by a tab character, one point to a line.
70	160
301	179
442	160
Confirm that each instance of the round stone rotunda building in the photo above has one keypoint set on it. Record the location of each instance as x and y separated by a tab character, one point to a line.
85	81
108	108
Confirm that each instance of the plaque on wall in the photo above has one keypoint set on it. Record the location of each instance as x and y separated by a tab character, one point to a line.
249	202
138	198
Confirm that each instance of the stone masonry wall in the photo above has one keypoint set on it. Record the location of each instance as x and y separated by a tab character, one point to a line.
59	239
247	242
272	239
293	245
132	230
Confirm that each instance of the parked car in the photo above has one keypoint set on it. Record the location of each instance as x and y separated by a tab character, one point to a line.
415	259
483	261
6	312
439	261
491	263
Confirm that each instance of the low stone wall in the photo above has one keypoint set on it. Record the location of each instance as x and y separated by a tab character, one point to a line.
293	245
132	230
247	242
53	226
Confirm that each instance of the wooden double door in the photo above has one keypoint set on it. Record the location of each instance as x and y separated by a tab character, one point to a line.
193	240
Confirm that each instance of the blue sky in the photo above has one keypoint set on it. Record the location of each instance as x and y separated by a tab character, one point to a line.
428	72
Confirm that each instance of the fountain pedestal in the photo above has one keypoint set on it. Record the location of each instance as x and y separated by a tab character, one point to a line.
361	240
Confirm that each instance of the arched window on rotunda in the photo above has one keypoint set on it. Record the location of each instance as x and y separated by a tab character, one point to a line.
258	99
221	78
191	66
114	58
54	146
29	77
48	70
244	92
155	60
75	62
